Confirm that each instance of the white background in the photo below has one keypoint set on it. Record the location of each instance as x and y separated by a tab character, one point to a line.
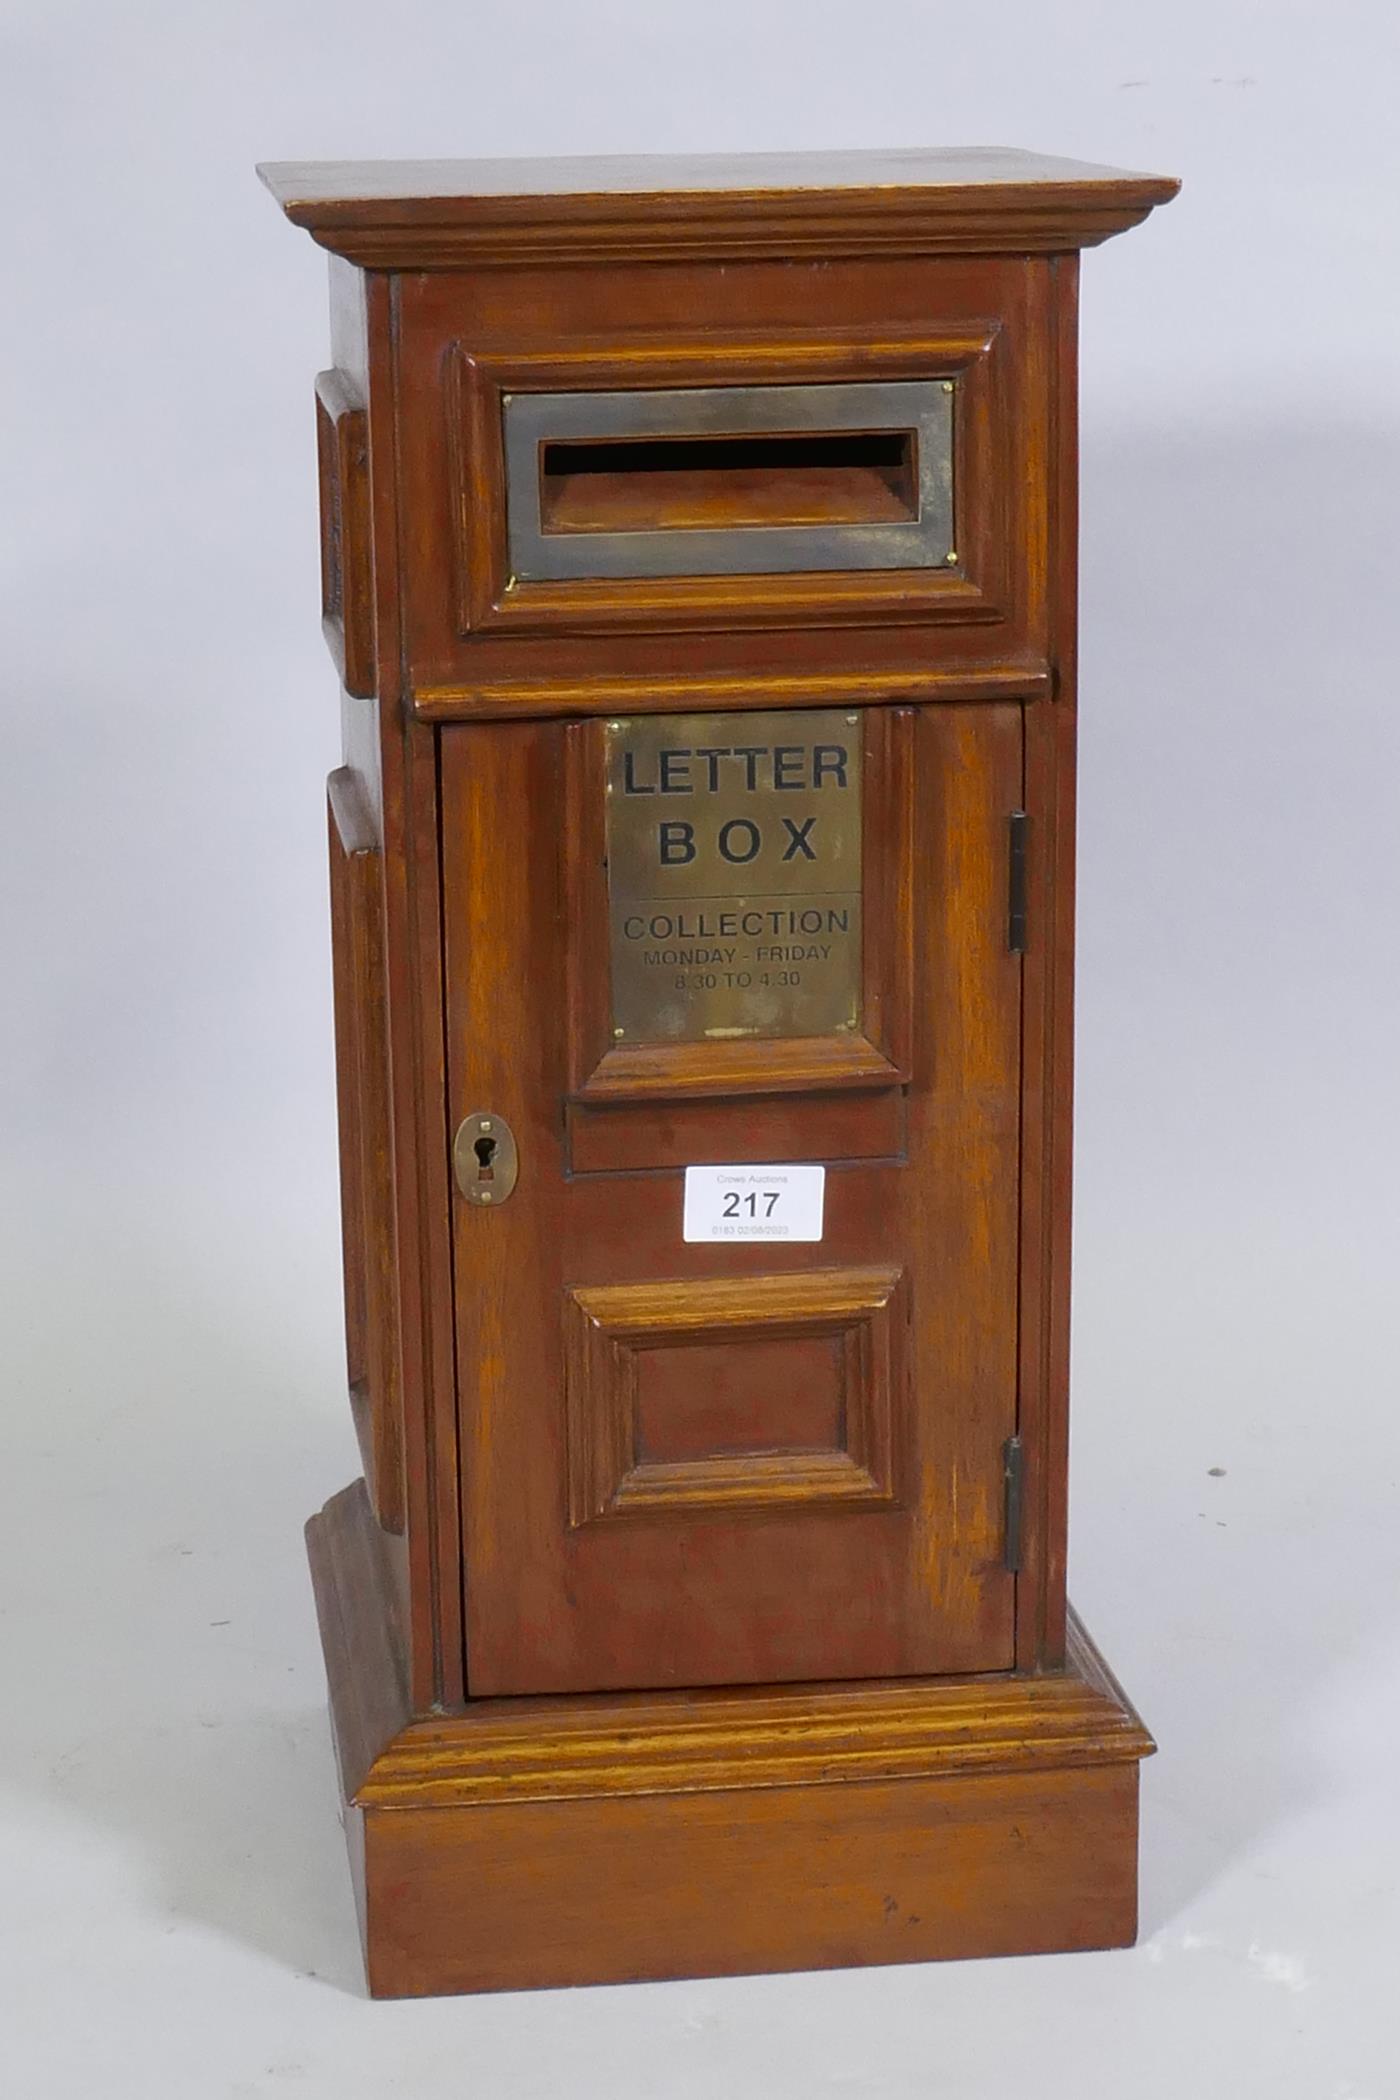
176	1912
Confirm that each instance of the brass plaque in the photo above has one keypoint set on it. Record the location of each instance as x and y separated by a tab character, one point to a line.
734	875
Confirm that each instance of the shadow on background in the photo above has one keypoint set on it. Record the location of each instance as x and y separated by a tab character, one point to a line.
170	1445
1236	1127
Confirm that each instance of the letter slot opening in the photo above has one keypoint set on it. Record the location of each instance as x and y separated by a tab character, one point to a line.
687	484
706	481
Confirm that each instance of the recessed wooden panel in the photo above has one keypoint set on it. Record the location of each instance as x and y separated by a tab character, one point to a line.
660	1379
723	1399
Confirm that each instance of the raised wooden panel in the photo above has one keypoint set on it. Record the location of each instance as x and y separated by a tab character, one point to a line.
366	1186
774	1359
347	569
972	586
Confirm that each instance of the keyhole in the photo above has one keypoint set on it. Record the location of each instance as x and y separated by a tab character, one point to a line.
483	1159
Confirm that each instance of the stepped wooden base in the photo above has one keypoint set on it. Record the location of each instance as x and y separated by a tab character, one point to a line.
532	1842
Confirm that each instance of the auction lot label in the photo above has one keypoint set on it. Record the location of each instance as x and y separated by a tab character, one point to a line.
754	1203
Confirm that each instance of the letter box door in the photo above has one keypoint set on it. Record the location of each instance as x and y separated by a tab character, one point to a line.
739	939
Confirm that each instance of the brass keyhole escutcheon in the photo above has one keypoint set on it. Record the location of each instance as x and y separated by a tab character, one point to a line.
484	1158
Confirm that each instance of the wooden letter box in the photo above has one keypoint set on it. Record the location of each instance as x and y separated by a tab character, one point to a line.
698	551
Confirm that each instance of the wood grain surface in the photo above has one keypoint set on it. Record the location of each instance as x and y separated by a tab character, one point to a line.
674	1632
424	215
526	1843
913	1584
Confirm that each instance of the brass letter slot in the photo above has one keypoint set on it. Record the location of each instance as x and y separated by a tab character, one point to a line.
681	484
708	481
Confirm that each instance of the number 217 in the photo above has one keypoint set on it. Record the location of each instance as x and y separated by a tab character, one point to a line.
737	1206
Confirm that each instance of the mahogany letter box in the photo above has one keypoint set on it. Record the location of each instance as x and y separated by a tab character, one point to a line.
698	553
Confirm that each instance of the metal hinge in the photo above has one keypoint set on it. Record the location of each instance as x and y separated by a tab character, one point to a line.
1012	1475
1017	825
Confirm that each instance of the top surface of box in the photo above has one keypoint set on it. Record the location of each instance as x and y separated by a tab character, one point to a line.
433	213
